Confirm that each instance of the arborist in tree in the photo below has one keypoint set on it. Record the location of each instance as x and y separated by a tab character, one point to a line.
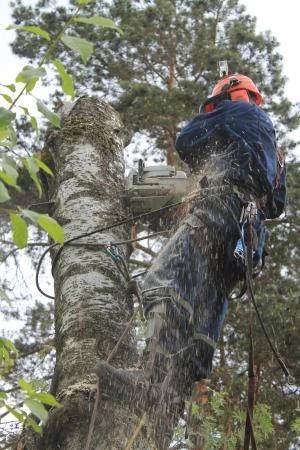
231	144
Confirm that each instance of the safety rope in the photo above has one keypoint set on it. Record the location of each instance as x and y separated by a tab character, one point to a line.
253	300
249	431
249	436
99	230
107	228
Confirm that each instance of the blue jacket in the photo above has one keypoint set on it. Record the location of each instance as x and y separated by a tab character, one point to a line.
252	132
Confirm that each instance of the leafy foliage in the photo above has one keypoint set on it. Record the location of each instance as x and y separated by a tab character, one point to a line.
11	164
35	402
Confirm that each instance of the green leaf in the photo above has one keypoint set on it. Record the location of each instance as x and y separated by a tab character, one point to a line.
26	111
30	75
13	136
25	386
9	166
47	399
52	227
47	223
66	79
30	165
15	413
19	229
33	170
3	395
34	124
79	45
6	357
50	115
37	409
37	428
7	98
6	117
296	426
11	87
7	179
9	132
83	2
6	346
4	296
42	166
4	195
29	72
33	120
10	345
37	183
31	29
99	21
4	132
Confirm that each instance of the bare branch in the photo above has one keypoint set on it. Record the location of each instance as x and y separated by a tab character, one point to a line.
146	250
136	262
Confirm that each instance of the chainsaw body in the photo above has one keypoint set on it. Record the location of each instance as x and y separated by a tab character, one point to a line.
153	187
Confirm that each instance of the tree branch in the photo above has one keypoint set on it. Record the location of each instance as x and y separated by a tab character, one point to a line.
136	262
146	250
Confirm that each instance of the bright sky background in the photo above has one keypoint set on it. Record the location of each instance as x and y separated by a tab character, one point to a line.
281	18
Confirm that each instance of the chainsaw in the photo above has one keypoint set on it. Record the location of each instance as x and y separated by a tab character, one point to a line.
149	188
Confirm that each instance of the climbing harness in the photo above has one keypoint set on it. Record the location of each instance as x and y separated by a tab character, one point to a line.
248	216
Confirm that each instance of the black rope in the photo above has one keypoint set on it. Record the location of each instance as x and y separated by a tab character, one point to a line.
277	356
114	225
272	347
249	429
99	230
138	217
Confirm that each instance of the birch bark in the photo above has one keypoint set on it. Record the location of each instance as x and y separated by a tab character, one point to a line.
92	303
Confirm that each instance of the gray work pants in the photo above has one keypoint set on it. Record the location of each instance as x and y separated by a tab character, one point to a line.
187	287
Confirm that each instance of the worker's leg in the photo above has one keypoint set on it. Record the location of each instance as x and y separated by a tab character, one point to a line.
185	293
185	303
173	311
167	304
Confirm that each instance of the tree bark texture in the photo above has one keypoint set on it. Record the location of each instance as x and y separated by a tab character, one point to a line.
92	302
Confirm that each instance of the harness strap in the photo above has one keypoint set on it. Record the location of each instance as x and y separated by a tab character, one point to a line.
280	165
205	338
249	432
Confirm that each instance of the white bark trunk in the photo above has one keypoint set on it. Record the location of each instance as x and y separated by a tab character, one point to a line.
92	305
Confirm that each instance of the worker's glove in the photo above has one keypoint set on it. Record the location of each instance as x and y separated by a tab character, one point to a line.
249	213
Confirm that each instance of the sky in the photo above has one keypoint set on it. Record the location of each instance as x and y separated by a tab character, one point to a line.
281	18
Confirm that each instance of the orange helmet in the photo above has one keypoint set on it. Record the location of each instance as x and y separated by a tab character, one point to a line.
237	86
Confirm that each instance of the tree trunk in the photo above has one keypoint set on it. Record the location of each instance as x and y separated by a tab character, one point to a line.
92	302
170	136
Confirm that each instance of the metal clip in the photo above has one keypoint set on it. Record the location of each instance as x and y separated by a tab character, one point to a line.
113	251
249	213
223	68
239	251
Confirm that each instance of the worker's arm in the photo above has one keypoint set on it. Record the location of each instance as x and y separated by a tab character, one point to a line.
199	138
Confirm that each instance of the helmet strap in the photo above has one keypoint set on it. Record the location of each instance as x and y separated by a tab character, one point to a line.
212	102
